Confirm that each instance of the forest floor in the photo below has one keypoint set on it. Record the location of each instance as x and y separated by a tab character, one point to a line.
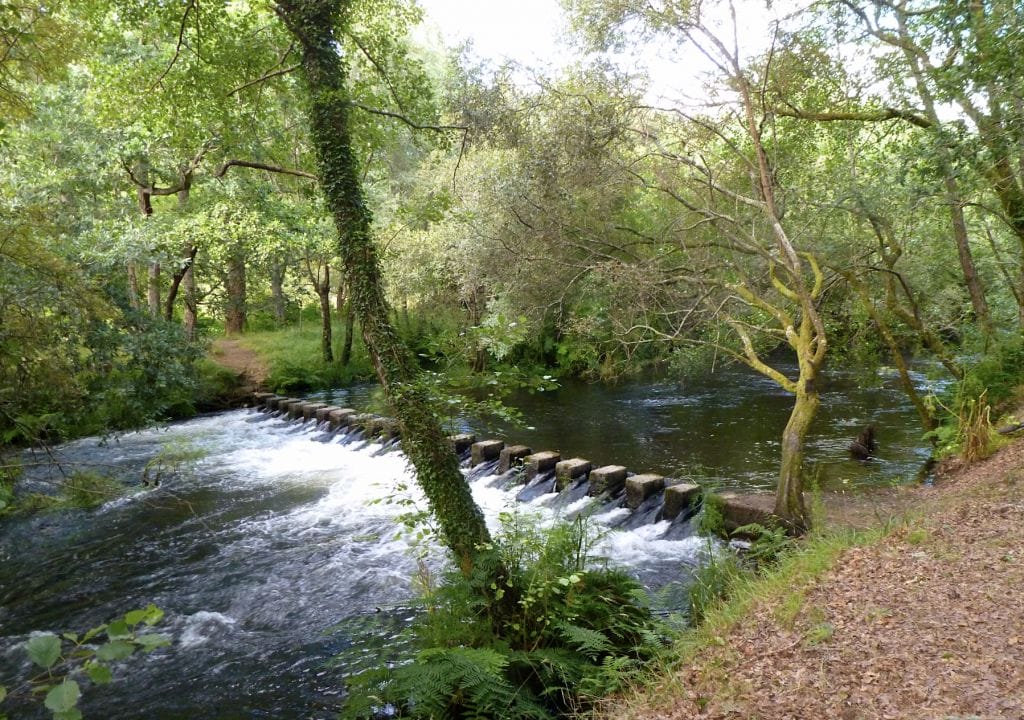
926	622
250	368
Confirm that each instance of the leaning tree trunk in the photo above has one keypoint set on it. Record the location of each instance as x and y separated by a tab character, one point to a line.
313	23
789	496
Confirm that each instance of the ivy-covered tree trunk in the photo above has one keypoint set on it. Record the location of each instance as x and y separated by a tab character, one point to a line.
313	23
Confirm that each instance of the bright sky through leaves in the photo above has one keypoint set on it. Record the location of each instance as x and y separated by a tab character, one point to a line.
533	33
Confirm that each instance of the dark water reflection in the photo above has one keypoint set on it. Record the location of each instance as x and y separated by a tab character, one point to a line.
721	430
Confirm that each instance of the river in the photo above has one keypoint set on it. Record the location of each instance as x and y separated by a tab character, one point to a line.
281	573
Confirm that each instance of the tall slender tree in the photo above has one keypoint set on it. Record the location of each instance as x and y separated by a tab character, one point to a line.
315	25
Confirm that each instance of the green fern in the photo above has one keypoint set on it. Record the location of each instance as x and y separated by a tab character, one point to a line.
592	643
573	635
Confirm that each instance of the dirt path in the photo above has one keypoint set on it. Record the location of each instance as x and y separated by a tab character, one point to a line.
928	623
252	371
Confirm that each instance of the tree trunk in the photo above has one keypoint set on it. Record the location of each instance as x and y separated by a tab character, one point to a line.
190	318
180	276
789	495
350	331
278	302
323	291
927	418
313	23
951	186
153	289
339	297
133	286
235	312
146	208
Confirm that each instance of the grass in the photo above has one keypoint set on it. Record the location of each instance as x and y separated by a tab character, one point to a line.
295	362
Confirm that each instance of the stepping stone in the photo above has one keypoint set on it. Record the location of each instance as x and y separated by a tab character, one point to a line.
540	462
484	451
512	456
567	471
462	442
641	487
608	479
341	417
678	498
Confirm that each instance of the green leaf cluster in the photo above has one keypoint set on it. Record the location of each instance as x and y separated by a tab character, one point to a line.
62	658
539	630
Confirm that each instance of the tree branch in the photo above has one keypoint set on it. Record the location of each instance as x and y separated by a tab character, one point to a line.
267	76
407	120
882	115
223	169
177	49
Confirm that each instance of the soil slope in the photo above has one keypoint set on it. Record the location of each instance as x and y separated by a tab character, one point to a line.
252	372
927	623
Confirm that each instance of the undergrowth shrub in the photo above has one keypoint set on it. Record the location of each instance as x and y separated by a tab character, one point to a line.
713	582
551	636
991	383
86	489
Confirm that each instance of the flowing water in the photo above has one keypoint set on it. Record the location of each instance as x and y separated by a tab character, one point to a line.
276	554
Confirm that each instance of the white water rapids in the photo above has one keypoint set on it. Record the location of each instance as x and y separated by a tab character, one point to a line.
273	553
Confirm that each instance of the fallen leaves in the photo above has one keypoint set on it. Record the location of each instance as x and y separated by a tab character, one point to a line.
926	624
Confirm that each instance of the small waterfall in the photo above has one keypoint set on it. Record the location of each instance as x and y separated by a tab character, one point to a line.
624	501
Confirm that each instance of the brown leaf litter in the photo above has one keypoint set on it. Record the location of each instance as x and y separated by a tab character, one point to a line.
926	624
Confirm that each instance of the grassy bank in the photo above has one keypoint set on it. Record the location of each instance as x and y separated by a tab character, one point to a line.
294	360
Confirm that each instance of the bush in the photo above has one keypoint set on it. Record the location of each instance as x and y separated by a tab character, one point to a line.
544	640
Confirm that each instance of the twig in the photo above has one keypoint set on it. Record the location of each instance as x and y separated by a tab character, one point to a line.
177	49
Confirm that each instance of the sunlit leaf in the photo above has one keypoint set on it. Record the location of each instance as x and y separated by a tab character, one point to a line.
99	674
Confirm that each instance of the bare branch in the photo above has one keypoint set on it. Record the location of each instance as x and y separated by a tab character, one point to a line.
407	120
266	76
177	49
223	169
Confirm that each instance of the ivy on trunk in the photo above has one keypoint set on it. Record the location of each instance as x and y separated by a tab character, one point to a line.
313	23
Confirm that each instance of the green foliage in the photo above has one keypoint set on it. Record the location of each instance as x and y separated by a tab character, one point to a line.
999	373
214	383
714	582
994	380
535	631
174	456
59	657
86	489
712	521
767	545
79	489
293	357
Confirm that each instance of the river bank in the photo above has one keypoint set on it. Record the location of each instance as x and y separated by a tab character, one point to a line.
920	619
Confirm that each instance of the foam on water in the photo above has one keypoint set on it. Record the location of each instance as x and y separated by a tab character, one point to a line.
279	533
